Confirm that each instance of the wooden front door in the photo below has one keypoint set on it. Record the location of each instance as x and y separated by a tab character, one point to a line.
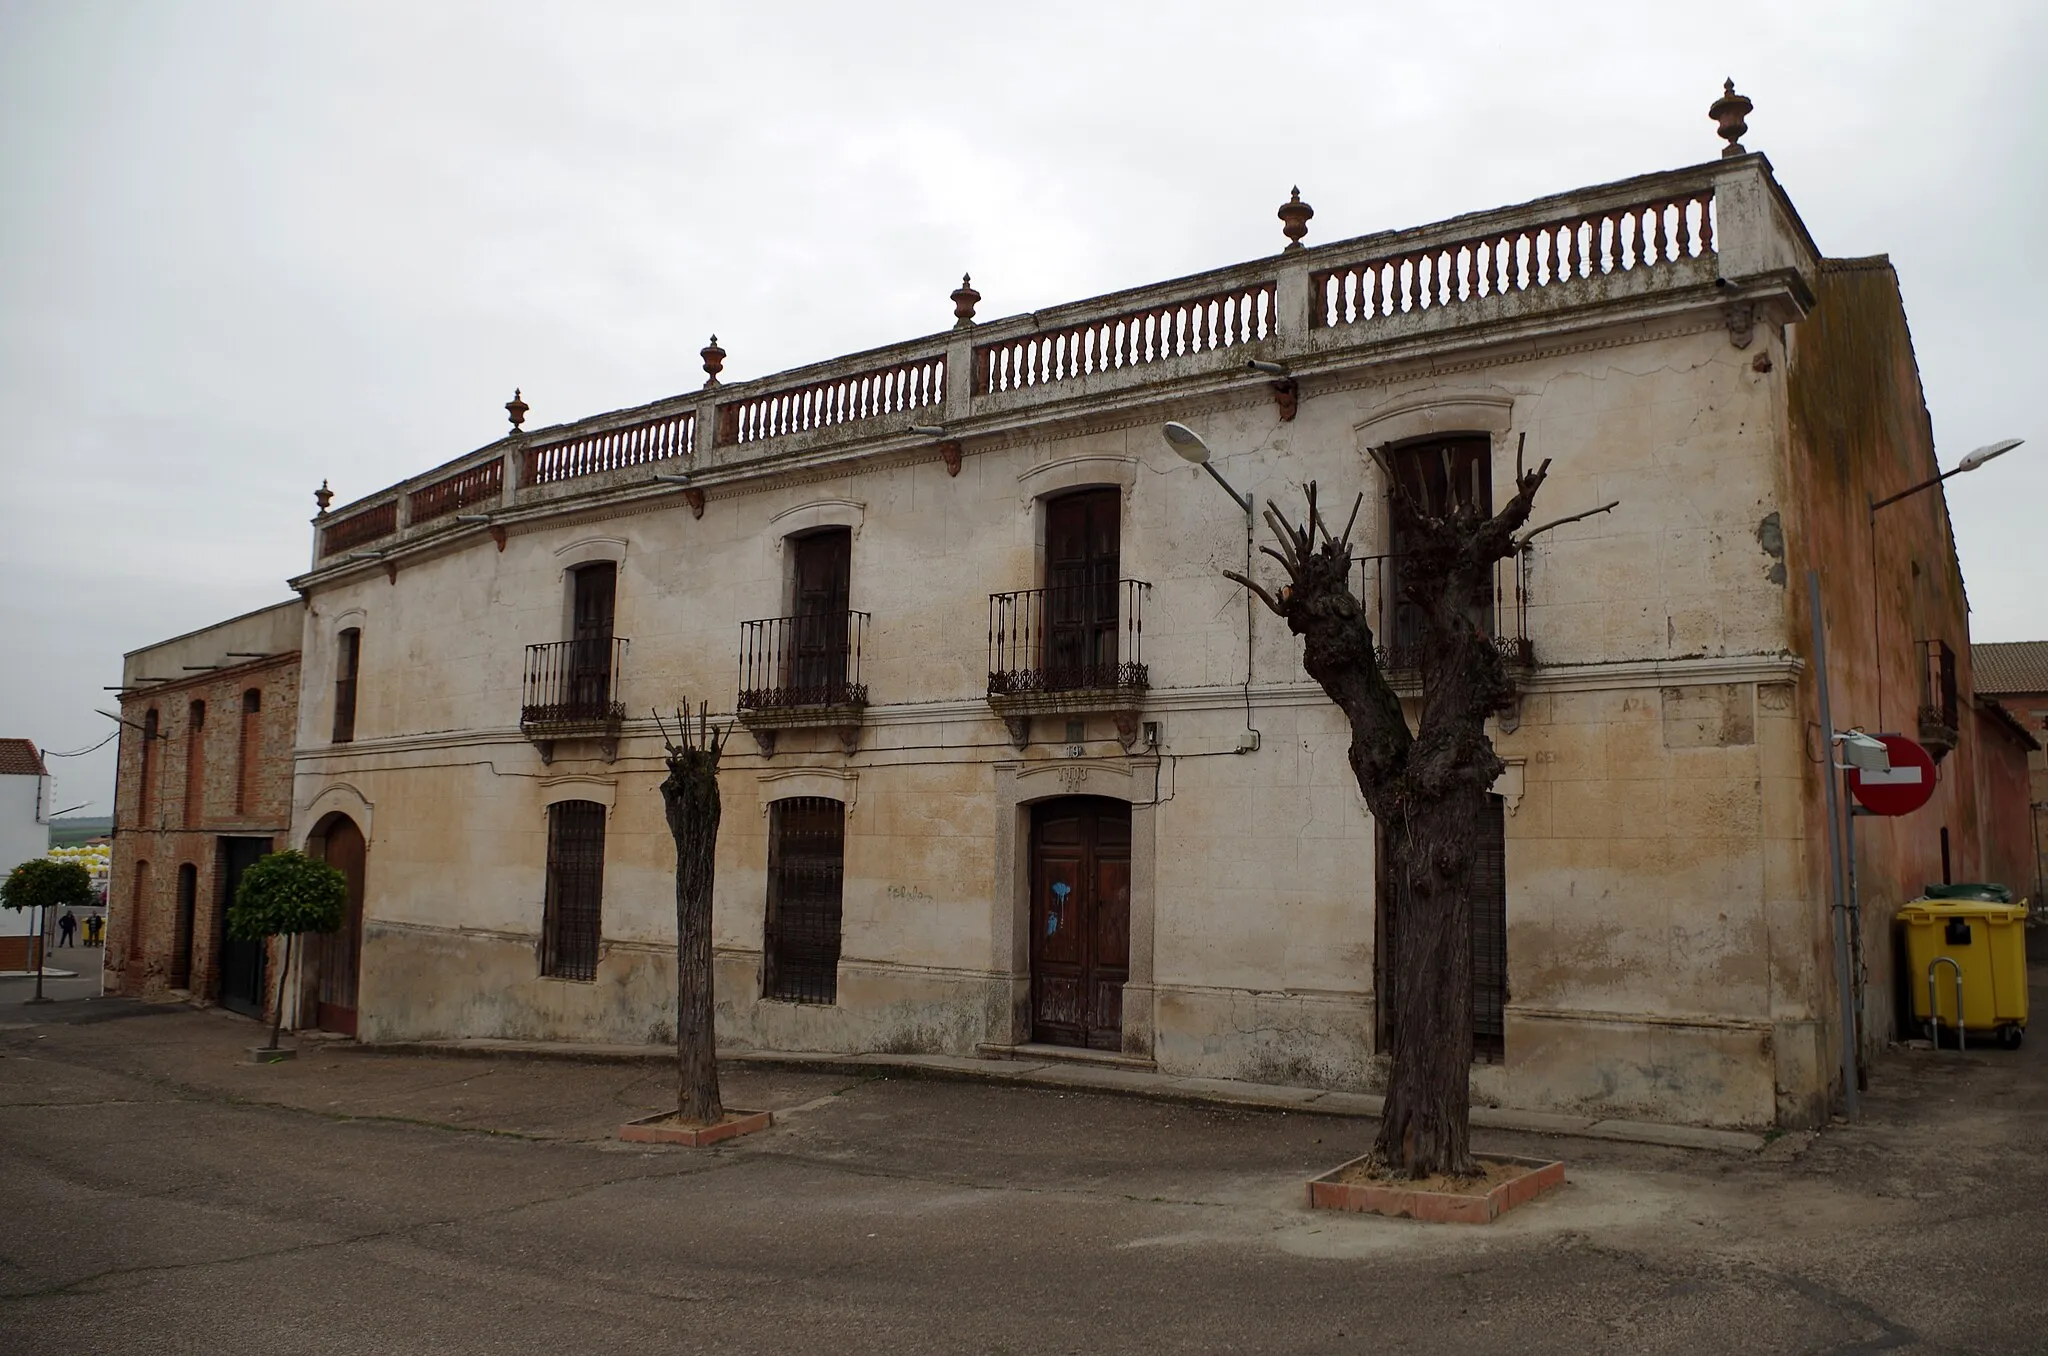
1080	921
242	966
1489	936
823	573
338	956
1082	543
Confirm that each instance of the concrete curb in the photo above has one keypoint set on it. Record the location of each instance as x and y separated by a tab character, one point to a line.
1085	1077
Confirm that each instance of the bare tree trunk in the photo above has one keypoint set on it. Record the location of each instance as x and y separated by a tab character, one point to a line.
1426	786
283	973
690	797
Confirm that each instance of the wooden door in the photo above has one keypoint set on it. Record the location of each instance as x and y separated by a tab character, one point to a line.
242	964
338	956
1489	938
590	649
1080	921
1082	542
823	575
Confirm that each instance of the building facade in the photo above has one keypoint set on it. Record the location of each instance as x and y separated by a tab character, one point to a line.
202	789
2014	675
1015	765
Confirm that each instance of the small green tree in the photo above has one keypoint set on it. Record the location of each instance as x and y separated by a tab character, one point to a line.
285	894
43	884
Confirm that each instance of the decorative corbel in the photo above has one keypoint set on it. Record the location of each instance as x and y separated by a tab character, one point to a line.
949	452
391	571
849	739
498	536
1126	729
1020	730
695	499
764	740
1741	319
1287	395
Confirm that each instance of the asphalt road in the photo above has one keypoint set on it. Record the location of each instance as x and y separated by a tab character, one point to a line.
161	1196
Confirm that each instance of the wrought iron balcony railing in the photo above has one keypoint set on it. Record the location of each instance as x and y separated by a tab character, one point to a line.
1500	610
1083	638
571	684
790	664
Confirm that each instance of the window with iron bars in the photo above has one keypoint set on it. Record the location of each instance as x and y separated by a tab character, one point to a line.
806	869
572	919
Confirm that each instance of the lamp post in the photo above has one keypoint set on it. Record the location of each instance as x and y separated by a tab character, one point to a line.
1189	445
1969	463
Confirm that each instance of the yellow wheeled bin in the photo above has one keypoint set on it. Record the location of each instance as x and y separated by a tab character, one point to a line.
1974	950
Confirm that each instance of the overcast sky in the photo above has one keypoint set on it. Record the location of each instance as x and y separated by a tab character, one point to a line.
244	247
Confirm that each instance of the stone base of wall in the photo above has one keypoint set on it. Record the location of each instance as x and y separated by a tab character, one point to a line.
432	984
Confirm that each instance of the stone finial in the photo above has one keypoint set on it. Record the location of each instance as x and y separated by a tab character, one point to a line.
515	410
1295	213
323	496
1728	113
714	362
964	298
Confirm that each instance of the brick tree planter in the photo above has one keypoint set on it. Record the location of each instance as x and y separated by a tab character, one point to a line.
1531	1178
661	1129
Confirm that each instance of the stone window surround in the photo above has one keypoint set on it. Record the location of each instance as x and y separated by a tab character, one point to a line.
1019	786
589	551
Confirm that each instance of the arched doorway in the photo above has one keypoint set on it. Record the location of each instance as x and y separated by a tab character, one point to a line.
337	956
1080	920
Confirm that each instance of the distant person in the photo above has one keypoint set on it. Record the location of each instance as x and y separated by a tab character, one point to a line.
67	928
95	930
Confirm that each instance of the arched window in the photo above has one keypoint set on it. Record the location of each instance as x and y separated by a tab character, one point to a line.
251	751
145	810
347	658
195	765
180	966
572	919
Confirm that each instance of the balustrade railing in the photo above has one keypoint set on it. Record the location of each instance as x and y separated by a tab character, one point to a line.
1499	610
1081	637
788	663
1517	259
914	384
573	683
478	484
612	449
1240	315
344	534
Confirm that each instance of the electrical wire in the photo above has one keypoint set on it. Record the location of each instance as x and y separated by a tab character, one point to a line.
80	753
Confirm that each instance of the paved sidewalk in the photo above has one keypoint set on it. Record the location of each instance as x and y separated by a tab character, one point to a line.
1085	1075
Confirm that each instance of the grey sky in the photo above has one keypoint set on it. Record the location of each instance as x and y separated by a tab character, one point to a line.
245	247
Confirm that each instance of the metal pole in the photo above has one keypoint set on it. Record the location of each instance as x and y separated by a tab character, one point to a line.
1855	921
1838	895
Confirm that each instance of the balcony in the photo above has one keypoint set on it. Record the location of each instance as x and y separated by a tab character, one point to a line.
1940	703
1061	651
571	691
803	672
1500	610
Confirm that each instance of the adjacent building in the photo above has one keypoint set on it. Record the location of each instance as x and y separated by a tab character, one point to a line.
25	790
2014	676
1014	765
202	789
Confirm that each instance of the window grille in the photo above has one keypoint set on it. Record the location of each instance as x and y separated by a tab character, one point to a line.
572	918
806	870
347	659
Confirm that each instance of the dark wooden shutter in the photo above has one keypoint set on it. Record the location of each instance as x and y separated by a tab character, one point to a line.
348	657
572	919
1083	540
249	757
590	639
823	580
806	869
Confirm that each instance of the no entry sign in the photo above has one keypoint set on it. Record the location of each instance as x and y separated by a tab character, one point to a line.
1908	786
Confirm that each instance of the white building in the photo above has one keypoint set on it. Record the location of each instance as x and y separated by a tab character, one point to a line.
25	790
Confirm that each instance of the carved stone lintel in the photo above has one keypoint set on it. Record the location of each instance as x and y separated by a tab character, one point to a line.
1126	728
849	739
498	536
1741	323
949	450
764	739
695	499
1287	395
1020	729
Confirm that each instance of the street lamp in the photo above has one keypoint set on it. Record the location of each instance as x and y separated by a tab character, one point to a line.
1190	447
1969	463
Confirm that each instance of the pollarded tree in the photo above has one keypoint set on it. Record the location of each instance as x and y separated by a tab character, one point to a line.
1427	786
43	884
689	795
285	894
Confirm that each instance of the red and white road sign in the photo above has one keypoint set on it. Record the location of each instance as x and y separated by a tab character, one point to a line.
1905	788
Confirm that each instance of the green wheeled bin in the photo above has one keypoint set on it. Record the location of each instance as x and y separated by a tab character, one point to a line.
1966	962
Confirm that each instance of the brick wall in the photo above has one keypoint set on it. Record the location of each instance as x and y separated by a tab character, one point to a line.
237	796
